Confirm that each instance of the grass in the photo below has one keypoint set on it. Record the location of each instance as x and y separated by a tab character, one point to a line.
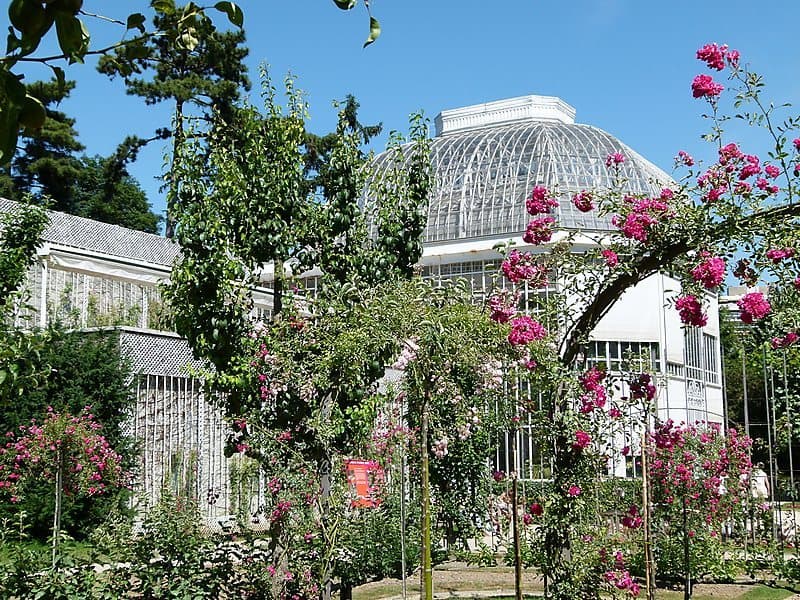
79	551
762	592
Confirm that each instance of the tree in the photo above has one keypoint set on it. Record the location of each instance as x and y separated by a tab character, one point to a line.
49	170
203	77
69	370
66	450
47	167
20	230
104	193
691	231
32	20
318	148
241	208
761	382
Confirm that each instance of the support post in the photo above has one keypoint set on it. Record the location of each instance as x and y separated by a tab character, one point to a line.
649	564
515	518
427	568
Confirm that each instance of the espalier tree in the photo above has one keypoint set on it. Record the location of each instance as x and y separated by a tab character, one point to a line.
246	217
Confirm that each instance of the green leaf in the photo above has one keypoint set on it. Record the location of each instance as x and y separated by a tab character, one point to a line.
61	79
191	10
12	42
345	4
73	38
235	14
374	31
3	375
165	7
136	21
188	39
10	107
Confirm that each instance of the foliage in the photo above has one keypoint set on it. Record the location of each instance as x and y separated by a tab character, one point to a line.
208	73
700	480
318	148
369	545
47	166
109	194
237	209
311	395
65	450
48	169
32	21
67	371
20	229
203	78
241	207
374	25
169	557
691	231
754	357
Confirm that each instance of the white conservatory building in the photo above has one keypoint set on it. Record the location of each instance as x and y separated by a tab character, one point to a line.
90	275
486	160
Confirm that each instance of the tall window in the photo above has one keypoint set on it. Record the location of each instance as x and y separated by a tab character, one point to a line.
701	355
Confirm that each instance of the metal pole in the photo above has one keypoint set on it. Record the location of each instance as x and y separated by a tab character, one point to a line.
789	426
403	507
744	396
724	380
767	404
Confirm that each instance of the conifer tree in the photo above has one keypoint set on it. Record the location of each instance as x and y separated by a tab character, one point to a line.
203	76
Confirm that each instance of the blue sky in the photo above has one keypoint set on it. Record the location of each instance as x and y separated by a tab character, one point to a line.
625	65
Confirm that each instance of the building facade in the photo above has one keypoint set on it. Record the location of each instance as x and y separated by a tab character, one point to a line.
486	159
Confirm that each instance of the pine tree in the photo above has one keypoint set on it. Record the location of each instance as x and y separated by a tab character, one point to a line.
46	166
106	194
204	75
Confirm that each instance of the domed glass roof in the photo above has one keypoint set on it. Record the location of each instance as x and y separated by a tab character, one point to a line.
488	157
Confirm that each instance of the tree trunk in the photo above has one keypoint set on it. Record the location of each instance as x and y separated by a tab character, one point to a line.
57	510
177	140
649	564
277	289
324	500
324	470
687	568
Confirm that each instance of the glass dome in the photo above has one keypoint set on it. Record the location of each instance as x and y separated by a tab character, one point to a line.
488	157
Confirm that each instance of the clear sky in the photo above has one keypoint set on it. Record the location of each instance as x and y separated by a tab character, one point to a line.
625	65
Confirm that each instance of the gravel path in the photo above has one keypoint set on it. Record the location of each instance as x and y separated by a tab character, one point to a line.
454	579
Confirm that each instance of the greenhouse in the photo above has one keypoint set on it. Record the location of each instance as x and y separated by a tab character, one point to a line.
487	158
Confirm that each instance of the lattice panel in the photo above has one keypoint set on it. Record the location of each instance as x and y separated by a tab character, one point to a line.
158	354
